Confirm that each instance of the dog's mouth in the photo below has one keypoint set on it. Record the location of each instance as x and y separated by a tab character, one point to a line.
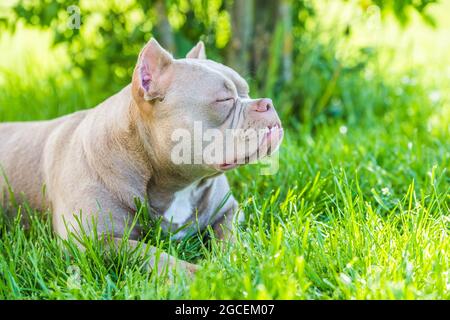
270	142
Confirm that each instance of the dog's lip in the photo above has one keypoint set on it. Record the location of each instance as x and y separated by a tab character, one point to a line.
272	128
228	166
268	135
277	129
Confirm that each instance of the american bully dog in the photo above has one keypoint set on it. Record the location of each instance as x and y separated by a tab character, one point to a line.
95	163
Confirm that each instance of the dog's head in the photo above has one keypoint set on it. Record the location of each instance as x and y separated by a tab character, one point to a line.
200	111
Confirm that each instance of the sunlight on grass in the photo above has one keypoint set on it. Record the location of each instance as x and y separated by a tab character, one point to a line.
28	53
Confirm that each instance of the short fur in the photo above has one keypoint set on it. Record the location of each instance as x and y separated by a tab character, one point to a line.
99	160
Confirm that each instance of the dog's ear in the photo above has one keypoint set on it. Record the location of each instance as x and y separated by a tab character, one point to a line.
197	52
150	78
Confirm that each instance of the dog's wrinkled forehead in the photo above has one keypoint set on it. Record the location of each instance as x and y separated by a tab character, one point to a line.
211	75
239	82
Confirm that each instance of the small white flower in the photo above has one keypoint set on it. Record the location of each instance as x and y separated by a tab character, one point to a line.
409	268
345	278
435	96
343	129
385	191
410	145
406	80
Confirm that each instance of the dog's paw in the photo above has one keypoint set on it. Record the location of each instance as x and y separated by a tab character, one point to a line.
190	268
171	266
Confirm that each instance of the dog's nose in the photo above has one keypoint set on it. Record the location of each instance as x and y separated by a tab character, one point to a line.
262	105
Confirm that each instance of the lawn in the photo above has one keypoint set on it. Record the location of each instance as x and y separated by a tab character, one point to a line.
359	208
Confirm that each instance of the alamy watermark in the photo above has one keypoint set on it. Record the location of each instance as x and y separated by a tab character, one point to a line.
229	148
74	21
73	277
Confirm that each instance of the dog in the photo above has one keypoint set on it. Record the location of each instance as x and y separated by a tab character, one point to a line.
94	163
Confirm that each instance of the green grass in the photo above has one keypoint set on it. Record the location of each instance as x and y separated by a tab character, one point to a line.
358	210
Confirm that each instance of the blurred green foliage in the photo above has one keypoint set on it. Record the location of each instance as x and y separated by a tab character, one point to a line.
269	42
106	43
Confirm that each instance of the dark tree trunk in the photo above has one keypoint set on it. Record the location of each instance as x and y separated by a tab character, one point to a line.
163	28
239	49
285	16
266	19
261	44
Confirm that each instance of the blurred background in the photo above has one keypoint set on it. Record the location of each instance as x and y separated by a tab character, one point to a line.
320	60
359	207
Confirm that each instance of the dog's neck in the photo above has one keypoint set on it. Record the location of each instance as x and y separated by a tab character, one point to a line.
126	156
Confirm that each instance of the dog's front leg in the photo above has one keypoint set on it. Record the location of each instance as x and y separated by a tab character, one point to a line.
224	228
113	225
156	260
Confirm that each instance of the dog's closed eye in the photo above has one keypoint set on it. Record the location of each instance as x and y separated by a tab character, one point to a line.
225	99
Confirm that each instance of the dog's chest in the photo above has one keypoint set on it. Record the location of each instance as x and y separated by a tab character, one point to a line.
182	206
195	207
